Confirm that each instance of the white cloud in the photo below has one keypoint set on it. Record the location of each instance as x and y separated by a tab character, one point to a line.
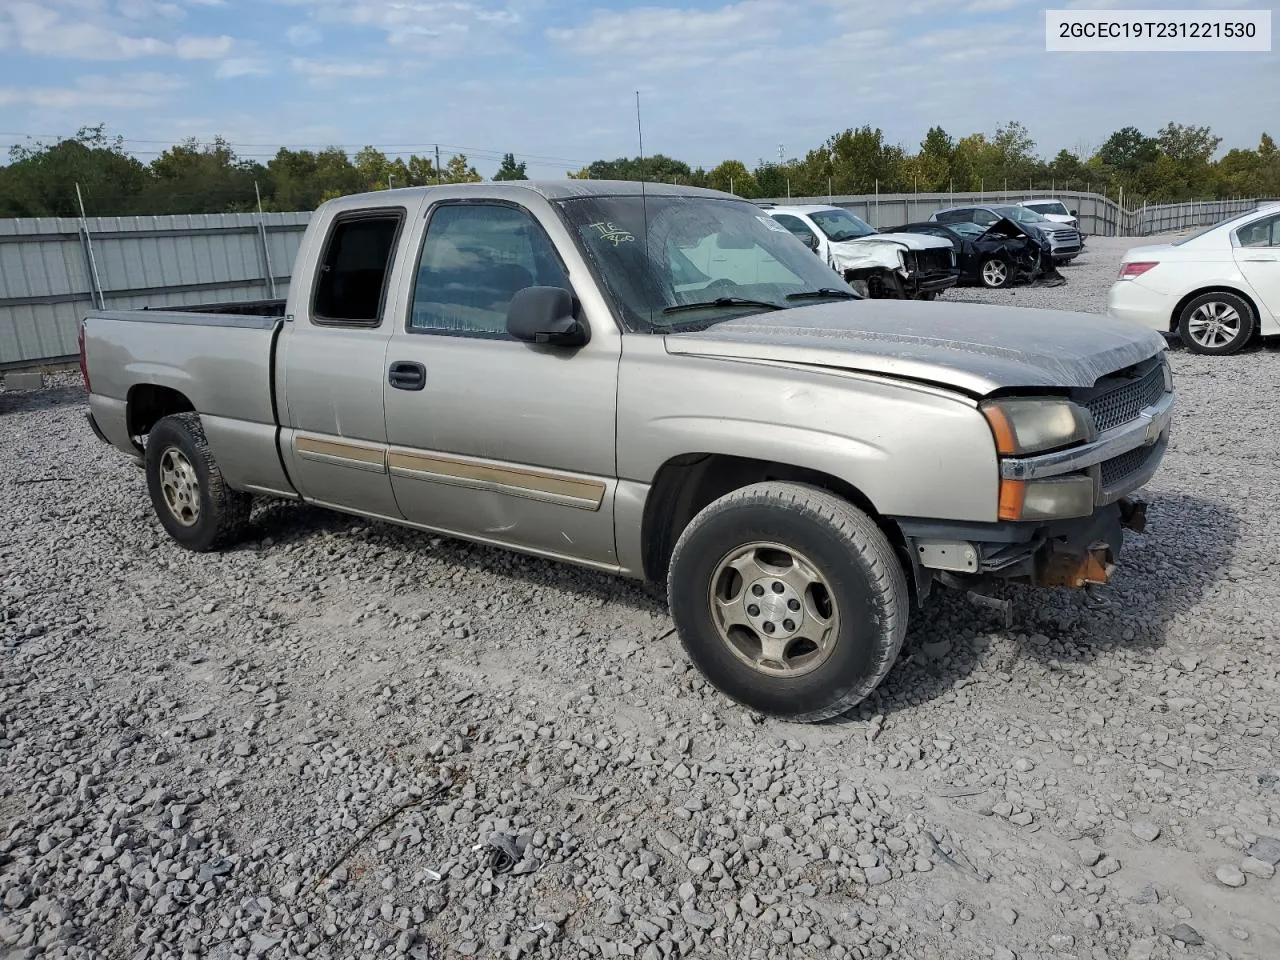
149	10
203	48
644	32
241	67
81	31
324	70
131	91
303	34
443	28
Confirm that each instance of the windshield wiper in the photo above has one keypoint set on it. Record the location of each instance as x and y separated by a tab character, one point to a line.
723	302
823	292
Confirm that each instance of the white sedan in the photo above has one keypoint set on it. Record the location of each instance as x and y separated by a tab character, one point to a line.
1216	289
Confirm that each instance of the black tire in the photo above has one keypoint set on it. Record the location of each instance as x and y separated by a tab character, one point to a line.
864	580
1221	306
995	273
201	512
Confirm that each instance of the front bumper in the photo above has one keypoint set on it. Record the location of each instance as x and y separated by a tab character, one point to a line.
934	282
1071	551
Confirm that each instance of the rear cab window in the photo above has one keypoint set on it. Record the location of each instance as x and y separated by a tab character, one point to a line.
351	283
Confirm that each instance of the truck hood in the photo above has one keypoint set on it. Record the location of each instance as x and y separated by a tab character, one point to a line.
970	347
880	250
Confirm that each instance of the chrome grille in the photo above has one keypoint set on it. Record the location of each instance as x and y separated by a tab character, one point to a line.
1118	469
1124	403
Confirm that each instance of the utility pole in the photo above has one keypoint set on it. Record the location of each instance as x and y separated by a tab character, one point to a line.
437	164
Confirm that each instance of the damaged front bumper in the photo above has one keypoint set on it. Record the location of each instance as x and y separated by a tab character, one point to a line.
1073	553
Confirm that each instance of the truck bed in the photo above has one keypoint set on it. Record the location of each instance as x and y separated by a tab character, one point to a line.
221	364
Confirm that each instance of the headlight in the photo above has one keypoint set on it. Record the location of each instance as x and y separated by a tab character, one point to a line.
1031	426
1054	499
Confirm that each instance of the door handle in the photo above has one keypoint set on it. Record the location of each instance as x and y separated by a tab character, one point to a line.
407	375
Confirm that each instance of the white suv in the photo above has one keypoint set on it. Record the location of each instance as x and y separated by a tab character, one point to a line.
896	265
1215	289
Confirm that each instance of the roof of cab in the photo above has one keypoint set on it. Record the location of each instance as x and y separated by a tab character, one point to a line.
549	189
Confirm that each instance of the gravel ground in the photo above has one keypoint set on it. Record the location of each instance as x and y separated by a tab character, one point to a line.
303	746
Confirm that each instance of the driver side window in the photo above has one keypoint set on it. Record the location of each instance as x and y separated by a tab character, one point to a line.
475	258
796	226
984	218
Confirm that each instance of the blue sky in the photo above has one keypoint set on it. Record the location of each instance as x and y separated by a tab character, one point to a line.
554	81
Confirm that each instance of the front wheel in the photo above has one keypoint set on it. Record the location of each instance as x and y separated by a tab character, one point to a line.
995	273
1216	323
192	501
788	599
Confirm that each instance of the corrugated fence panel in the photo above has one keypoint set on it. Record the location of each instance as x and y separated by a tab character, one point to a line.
47	282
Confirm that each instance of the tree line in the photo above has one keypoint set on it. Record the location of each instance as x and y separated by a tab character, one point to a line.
1175	163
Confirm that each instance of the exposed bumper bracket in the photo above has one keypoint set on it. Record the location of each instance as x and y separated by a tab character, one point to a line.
1062	566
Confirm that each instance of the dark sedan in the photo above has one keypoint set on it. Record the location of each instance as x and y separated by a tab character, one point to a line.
995	256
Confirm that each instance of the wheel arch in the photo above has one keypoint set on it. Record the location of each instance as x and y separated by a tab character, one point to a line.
1176	316
148	403
687	483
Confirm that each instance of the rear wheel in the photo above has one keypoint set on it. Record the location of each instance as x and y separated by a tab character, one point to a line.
192	501
1216	323
789	600
994	273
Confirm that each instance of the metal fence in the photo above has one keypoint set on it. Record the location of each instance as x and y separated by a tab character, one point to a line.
54	271
1099	216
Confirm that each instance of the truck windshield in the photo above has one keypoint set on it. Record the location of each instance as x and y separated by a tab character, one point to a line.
718	254
841	225
1054	208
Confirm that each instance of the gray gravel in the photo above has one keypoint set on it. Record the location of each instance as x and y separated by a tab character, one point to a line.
306	746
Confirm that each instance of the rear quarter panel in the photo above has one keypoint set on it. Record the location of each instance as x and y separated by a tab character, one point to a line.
222	365
912	450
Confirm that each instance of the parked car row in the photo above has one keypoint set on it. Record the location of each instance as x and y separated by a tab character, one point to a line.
993	246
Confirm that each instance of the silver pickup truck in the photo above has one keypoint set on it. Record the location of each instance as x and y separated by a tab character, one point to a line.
658	382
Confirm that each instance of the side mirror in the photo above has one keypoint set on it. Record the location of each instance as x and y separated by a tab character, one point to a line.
1072	212
811	241
545	315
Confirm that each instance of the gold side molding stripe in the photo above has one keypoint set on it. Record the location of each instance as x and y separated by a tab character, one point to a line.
536	484
342	452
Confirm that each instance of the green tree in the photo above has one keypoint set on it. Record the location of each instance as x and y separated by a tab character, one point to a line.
1127	151
859	161
1067	168
193	177
930	169
509	169
732	176
40	179
458	170
303	179
658	167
